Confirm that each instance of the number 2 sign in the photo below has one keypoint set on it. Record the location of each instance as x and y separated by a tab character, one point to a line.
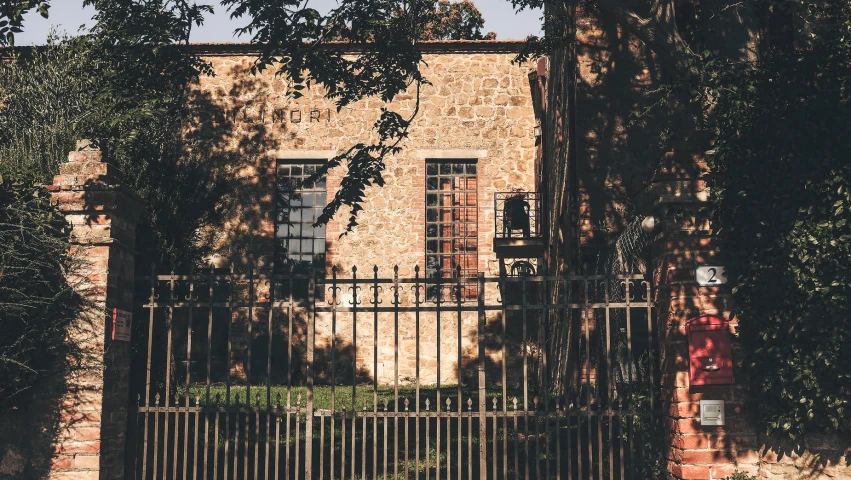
708	276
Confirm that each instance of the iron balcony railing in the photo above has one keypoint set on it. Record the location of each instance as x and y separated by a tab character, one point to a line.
517	214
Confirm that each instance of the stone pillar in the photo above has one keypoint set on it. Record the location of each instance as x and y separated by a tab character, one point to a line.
103	218
684	240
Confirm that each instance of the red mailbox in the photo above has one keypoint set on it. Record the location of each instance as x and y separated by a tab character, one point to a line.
709	351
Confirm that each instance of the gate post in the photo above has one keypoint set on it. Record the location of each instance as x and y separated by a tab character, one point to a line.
686	240
103	217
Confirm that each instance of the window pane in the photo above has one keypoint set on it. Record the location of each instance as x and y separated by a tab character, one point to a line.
300	206
450	227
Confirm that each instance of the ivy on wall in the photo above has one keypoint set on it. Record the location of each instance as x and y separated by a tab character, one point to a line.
784	207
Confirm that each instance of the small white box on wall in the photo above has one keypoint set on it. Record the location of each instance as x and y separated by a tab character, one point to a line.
712	412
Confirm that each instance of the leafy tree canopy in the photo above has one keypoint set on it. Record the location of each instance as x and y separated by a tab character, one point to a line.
784	206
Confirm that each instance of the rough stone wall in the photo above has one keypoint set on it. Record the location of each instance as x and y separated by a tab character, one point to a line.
477	107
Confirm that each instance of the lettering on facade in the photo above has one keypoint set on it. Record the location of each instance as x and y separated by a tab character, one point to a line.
295	115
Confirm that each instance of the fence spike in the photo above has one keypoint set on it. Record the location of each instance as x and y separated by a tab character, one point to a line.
469	404
406	404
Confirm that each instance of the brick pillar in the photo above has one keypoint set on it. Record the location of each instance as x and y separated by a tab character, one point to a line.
103	218
685	240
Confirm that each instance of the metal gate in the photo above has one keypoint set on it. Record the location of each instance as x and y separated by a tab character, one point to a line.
265	375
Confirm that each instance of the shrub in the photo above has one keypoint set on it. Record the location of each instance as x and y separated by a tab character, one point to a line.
37	304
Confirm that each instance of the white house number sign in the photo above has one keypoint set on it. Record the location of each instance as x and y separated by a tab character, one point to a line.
709	276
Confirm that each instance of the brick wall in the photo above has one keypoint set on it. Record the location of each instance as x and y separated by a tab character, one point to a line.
686	240
93	410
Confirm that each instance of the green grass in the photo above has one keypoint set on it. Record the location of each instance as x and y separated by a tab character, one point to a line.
343	395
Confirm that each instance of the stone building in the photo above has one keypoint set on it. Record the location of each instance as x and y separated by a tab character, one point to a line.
473	140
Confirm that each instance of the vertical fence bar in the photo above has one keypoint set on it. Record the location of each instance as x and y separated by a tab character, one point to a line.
437	403
516	443
269	333
417	372
167	392
587	314
375	302
469	437
630	404
544	300
230	307
297	453
216	439
290	314
354	304
197	421
309	410
427	442
396	376
503	345
191	298
609	379
363	442
278	435
246	440
151	300
558	414
524	286
334	304
256	434
386	419
495	466
236	431
407	440
459	292
156	432
343	445
480	334
448	437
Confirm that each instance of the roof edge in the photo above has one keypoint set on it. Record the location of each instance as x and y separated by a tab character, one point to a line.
442	46
231	49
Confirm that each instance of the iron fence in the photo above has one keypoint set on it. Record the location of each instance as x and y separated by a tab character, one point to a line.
263	375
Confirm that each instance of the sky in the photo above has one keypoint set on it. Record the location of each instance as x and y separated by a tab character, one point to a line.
69	15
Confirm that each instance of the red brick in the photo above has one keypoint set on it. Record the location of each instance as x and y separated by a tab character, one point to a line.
61	462
87	462
710	457
78	447
75	475
691	472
